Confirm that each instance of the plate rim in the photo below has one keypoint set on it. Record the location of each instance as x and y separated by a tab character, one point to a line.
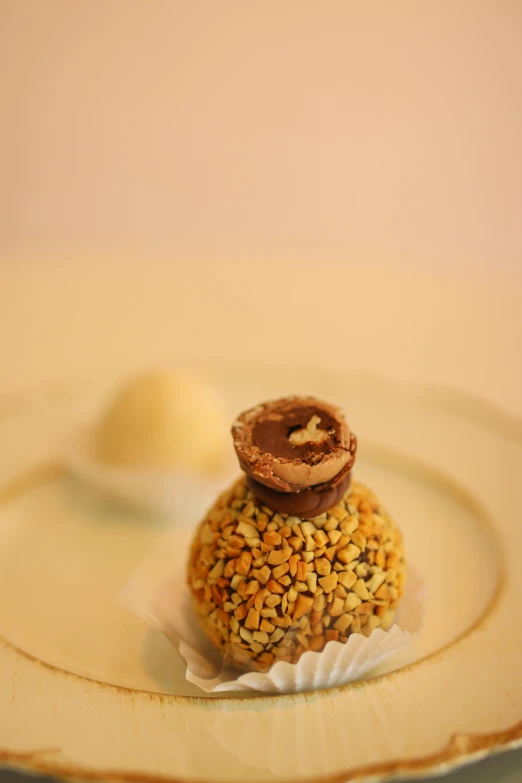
56	469
462	747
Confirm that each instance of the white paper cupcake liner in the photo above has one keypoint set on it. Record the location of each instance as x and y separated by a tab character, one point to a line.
158	593
179	495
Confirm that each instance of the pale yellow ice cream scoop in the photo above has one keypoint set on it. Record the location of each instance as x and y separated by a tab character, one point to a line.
164	420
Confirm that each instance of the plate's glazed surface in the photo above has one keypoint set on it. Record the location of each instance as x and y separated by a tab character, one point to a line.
87	691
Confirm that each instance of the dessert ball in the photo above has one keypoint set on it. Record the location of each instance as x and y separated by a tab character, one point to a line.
164	420
270	584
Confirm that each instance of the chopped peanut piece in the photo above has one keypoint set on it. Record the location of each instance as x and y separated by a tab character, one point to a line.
243	563
329	583
343	622
347	579
280	570
247	530
275	587
252	620
349	553
337	607
331	635
322	566
303	605
292	564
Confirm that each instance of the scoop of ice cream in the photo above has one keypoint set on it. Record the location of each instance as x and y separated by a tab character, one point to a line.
164	420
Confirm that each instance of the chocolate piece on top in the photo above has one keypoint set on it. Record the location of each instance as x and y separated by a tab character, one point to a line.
295	446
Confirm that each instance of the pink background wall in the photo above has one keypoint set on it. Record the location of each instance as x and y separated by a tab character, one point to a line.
329	127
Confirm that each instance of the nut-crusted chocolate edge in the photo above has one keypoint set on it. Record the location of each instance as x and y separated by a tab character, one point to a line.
308	503
280	473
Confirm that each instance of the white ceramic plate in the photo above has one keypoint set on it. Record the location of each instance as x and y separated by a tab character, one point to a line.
88	691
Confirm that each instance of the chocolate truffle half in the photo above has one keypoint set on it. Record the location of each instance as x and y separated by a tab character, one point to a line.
269	584
297	453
